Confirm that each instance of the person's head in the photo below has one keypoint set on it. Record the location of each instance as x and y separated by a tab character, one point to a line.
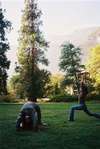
32	99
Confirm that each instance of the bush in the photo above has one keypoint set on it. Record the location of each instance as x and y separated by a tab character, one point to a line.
7	98
63	98
93	96
71	98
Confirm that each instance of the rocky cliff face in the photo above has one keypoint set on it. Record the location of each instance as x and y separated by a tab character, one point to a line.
85	39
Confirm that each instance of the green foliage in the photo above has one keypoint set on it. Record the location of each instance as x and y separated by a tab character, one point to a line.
63	98
93	67
15	86
70	59
70	62
55	84
7	98
41	86
93	96
4	47
37	84
31	51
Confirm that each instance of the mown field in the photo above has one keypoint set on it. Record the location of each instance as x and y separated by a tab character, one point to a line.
83	133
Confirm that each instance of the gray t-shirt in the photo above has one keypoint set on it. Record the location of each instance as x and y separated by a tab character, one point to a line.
28	105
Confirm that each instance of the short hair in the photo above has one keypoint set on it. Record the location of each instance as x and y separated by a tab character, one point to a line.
32	99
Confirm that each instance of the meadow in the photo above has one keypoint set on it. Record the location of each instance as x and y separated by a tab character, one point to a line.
83	133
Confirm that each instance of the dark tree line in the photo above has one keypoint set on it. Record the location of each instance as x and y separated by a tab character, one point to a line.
4	47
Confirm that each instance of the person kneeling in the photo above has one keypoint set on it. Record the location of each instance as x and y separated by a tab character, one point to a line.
29	117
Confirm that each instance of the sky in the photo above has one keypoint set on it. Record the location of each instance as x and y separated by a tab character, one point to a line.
60	18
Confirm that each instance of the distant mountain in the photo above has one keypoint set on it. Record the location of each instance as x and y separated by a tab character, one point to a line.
86	39
86	36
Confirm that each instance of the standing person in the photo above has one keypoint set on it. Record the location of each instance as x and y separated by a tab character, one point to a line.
30	107
83	91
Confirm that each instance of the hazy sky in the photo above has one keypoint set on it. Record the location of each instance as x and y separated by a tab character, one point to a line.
60	18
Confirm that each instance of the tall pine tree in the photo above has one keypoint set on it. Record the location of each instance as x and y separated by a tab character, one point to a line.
31	52
4	47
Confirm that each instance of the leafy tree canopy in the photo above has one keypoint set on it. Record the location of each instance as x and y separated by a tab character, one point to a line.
93	65
70	62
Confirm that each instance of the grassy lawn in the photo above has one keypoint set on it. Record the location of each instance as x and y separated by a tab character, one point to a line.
84	133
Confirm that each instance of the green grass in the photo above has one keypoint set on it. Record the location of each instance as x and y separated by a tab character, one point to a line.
84	133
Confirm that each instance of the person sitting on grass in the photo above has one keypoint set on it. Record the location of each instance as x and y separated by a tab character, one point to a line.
30	108
83	91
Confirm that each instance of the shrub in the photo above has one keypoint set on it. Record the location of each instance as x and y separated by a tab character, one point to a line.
63	98
7	98
71	98
93	96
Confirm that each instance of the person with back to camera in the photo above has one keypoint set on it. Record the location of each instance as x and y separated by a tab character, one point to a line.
30	108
